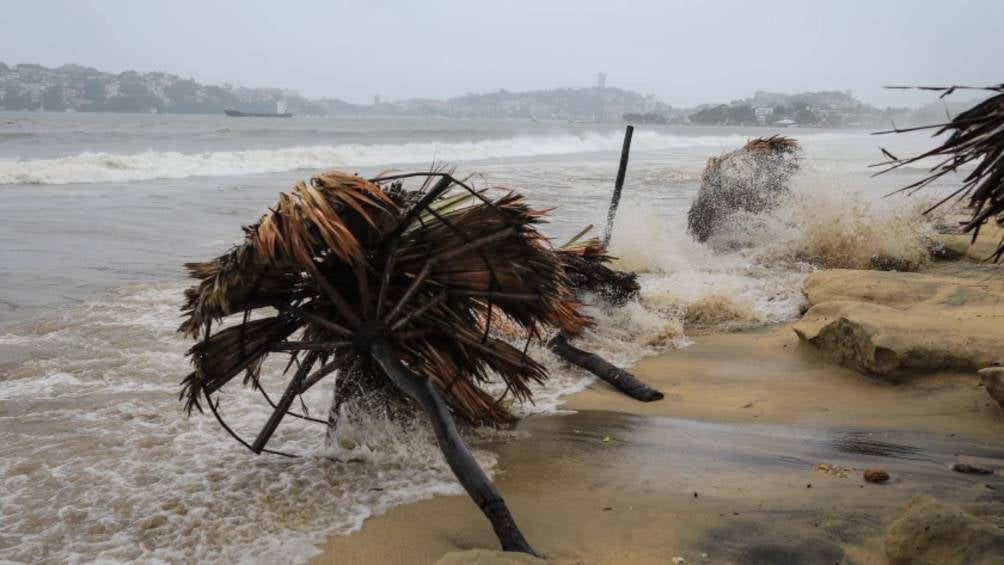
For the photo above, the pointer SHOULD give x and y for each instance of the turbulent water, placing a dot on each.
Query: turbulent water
(100, 211)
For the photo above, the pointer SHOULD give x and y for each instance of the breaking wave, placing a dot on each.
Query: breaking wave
(149, 165)
(828, 223)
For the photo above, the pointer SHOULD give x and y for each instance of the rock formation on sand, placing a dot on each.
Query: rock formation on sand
(934, 533)
(750, 179)
(993, 379)
(891, 323)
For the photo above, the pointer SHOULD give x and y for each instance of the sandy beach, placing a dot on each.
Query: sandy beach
(755, 455)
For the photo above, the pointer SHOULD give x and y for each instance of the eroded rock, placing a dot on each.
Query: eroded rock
(993, 380)
(970, 469)
(935, 533)
(889, 323)
(876, 475)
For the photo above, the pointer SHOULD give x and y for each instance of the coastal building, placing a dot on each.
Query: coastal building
(650, 104)
(762, 113)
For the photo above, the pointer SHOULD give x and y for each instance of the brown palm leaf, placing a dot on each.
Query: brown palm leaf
(586, 264)
(975, 136)
(341, 261)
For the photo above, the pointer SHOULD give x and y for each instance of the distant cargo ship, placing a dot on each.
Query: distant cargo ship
(280, 112)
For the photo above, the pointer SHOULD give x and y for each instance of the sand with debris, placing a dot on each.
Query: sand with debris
(757, 452)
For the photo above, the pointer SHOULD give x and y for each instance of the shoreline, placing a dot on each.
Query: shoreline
(725, 466)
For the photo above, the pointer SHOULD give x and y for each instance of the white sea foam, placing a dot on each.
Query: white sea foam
(95, 425)
(105, 167)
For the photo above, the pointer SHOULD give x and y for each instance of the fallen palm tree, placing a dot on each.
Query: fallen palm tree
(750, 179)
(392, 289)
(975, 137)
(586, 264)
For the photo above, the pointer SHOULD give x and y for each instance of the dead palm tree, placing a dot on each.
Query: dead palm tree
(391, 288)
(586, 263)
(976, 136)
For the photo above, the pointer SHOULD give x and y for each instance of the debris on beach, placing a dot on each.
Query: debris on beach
(969, 469)
(834, 470)
(394, 290)
(750, 179)
(586, 264)
(876, 475)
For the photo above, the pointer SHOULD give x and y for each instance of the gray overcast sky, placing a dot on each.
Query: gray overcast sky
(684, 52)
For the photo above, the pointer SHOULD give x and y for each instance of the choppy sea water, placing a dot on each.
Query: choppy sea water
(100, 211)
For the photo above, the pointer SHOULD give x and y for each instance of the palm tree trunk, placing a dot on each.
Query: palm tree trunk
(463, 464)
(615, 376)
(337, 400)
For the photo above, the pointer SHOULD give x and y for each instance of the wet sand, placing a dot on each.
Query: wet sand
(726, 466)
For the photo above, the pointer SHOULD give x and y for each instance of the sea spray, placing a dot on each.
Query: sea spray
(752, 273)
(831, 224)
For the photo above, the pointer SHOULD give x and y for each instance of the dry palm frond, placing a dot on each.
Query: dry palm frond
(346, 260)
(771, 145)
(751, 179)
(976, 136)
(585, 263)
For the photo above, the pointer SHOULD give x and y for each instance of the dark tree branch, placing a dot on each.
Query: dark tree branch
(460, 460)
(614, 376)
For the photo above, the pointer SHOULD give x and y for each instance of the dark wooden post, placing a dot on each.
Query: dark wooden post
(618, 185)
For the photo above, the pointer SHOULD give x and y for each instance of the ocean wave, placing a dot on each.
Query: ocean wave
(150, 165)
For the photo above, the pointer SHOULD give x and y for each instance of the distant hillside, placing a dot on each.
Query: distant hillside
(75, 87)
(85, 89)
(833, 108)
(591, 104)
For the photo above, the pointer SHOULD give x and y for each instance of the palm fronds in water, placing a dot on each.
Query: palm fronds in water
(345, 260)
(749, 179)
(395, 287)
(586, 265)
(975, 136)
